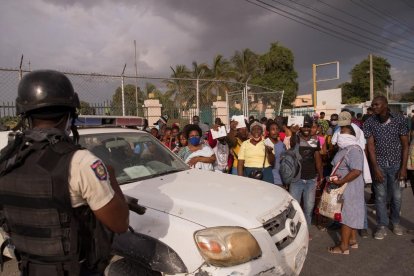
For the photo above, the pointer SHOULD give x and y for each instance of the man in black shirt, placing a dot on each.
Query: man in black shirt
(311, 167)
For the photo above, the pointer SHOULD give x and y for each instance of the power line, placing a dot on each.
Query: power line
(359, 27)
(381, 14)
(323, 29)
(298, 21)
(362, 20)
(407, 3)
(344, 28)
(387, 14)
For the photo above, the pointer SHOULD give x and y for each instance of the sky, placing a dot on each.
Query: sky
(97, 35)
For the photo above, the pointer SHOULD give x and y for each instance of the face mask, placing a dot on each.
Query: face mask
(334, 123)
(195, 141)
(345, 140)
(257, 139)
(305, 133)
(68, 131)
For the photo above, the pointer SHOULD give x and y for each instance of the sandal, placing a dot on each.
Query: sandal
(338, 250)
(353, 244)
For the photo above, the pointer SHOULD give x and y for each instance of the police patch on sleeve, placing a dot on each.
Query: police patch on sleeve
(100, 170)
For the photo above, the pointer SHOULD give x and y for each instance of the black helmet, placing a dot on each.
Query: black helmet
(45, 88)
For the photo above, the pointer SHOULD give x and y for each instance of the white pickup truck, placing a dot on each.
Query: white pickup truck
(198, 222)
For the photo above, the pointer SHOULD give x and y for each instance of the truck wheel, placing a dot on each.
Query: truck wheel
(125, 267)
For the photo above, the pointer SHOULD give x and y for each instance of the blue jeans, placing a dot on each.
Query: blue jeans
(234, 171)
(388, 190)
(308, 189)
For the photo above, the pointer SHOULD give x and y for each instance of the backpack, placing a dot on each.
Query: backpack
(290, 165)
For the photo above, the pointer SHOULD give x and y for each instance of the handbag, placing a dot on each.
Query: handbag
(258, 173)
(331, 201)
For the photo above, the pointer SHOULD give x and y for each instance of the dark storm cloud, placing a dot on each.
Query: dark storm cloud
(97, 35)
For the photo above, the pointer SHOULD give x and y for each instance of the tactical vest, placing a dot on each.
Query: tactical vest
(50, 237)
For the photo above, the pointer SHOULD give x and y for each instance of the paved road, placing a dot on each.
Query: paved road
(392, 256)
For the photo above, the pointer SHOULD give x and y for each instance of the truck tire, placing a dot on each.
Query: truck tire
(127, 267)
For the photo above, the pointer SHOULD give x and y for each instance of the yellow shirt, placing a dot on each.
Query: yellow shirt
(253, 155)
(235, 152)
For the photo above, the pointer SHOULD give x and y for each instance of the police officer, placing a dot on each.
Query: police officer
(58, 202)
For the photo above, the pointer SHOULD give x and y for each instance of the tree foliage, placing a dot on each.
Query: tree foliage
(279, 72)
(86, 109)
(130, 100)
(358, 88)
(273, 69)
(408, 97)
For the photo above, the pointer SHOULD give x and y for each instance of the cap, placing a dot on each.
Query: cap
(307, 121)
(344, 118)
(162, 119)
(255, 123)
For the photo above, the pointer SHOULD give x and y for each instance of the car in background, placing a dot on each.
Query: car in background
(197, 222)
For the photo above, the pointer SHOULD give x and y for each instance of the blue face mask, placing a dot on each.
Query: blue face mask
(195, 141)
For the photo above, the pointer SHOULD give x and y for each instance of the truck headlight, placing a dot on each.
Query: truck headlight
(226, 245)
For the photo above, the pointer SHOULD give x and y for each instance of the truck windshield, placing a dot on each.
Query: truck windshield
(133, 155)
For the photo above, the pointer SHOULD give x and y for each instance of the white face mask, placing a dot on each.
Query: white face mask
(334, 123)
(345, 140)
(68, 131)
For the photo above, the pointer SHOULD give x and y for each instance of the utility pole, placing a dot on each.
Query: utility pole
(197, 97)
(314, 85)
(371, 79)
(20, 68)
(123, 91)
(393, 86)
(136, 78)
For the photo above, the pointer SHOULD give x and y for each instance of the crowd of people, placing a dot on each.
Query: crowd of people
(359, 150)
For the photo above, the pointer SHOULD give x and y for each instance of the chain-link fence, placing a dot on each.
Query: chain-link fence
(150, 97)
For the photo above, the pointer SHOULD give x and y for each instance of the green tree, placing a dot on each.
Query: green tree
(219, 70)
(8, 122)
(129, 99)
(245, 65)
(408, 97)
(177, 89)
(359, 86)
(199, 71)
(278, 73)
(86, 109)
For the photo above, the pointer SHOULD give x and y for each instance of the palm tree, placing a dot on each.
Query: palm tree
(178, 90)
(150, 88)
(245, 65)
(200, 71)
(220, 70)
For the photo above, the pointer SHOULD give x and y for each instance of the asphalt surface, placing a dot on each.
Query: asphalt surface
(393, 255)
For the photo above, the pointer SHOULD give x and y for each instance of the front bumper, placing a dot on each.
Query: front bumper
(283, 253)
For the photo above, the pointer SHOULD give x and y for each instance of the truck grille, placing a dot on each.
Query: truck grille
(274, 225)
(277, 224)
(287, 240)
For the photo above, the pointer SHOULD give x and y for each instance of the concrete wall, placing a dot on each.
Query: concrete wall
(331, 97)
(152, 109)
(221, 111)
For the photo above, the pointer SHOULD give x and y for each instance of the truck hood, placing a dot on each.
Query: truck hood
(211, 198)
